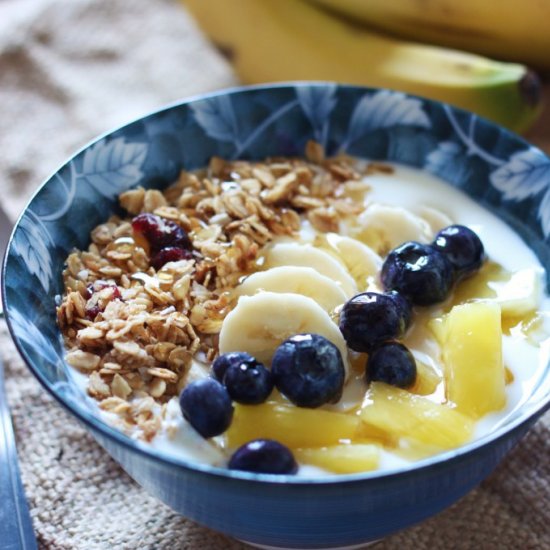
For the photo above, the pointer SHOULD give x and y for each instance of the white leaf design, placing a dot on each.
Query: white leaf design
(449, 162)
(31, 335)
(544, 214)
(31, 246)
(317, 104)
(525, 174)
(384, 109)
(217, 118)
(112, 167)
(439, 159)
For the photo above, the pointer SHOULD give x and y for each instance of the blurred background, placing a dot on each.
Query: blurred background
(72, 69)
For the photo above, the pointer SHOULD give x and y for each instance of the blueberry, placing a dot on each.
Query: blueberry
(308, 369)
(419, 272)
(263, 456)
(206, 405)
(370, 318)
(248, 381)
(222, 362)
(392, 363)
(462, 247)
(403, 306)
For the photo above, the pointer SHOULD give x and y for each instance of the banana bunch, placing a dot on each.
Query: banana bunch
(281, 40)
(507, 29)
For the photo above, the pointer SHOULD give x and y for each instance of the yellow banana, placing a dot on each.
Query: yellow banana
(514, 30)
(278, 40)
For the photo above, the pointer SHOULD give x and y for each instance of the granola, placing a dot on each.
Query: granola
(141, 333)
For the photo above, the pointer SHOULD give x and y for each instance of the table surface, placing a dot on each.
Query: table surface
(68, 73)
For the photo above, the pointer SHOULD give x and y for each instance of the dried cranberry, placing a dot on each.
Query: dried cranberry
(116, 293)
(169, 254)
(100, 285)
(160, 233)
(92, 312)
(94, 305)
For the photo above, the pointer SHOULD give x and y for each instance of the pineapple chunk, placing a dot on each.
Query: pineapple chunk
(529, 327)
(427, 379)
(290, 425)
(437, 326)
(342, 459)
(472, 357)
(402, 414)
(521, 294)
(410, 449)
(481, 284)
(518, 294)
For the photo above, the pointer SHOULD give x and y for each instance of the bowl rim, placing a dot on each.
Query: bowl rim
(97, 424)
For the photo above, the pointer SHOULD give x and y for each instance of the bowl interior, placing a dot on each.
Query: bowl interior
(495, 167)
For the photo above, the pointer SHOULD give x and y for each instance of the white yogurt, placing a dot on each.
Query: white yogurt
(413, 190)
(417, 192)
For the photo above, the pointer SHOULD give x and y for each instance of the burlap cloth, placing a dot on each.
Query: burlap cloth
(70, 69)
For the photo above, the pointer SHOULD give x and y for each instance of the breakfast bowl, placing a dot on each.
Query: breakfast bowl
(500, 173)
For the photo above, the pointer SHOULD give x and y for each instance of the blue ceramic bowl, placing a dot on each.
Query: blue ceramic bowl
(498, 169)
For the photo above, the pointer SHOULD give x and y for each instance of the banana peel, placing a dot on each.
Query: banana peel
(512, 30)
(282, 40)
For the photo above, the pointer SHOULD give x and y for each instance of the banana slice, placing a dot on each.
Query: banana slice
(259, 324)
(384, 227)
(308, 256)
(436, 219)
(297, 280)
(362, 262)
